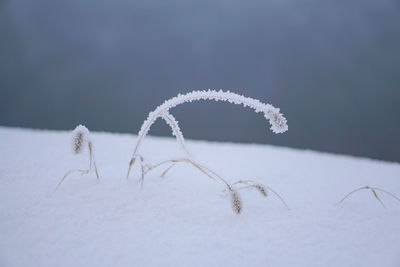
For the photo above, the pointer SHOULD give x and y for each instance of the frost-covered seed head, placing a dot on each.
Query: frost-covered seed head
(277, 121)
(80, 137)
(236, 202)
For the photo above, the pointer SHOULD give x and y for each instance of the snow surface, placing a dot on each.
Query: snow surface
(184, 219)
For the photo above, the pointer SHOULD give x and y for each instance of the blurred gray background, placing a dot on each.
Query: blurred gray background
(333, 67)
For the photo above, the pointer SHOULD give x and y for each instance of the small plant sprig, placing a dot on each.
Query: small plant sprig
(235, 197)
(277, 120)
(81, 139)
(373, 190)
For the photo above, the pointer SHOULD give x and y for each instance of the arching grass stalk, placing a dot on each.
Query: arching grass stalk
(373, 190)
(277, 120)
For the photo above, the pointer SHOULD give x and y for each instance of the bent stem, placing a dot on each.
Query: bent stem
(252, 184)
(386, 192)
(352, 192)
(373, 190)
(167, 170)
(211, 174)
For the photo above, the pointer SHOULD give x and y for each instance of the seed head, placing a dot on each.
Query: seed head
(236, 202)
(261, 189)
(80, 136)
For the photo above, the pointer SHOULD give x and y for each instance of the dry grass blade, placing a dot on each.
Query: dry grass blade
(352, 192)
(206, 171)
(281, 198)
(130, 167)
(68, 173)
(167, 170)
(387, 192)
(373, 190)
(92, 161)
(95, 170)
(376, 196)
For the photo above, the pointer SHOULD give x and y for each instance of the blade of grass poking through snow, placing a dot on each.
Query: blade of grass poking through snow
(277, 121)
(373, 190)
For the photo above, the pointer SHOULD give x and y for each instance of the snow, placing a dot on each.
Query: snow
(185, 219)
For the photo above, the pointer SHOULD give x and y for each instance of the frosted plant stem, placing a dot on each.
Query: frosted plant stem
(386, 192)
(173, 123)
(277, 120)
(68, 173)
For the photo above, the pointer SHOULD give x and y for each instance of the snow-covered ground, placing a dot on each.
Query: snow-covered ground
(185, 219)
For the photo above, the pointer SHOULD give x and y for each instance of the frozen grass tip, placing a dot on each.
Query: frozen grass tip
(81, 140)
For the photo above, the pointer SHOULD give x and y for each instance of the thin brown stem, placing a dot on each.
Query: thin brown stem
(273, 191)
(390, 194)
(376, 196)
(167, 170)
(355, 190)
(90, 155)
(130, 166)
(201, 168)
(95, 170)
(92, 162)
(150, 168)
(68, 173)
